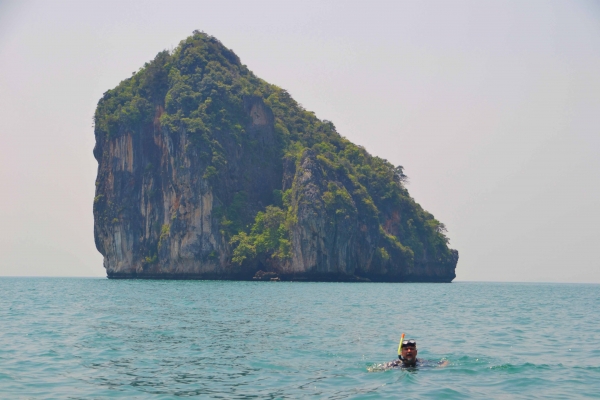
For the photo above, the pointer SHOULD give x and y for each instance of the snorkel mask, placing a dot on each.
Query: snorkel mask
(405, 343)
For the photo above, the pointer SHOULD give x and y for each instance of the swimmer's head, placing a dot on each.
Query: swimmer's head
(409, 352)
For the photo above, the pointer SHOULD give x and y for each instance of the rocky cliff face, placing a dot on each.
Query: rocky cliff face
(207, 172)
(155, 209)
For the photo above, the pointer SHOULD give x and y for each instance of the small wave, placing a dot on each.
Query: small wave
(511, 368)
(377, 368)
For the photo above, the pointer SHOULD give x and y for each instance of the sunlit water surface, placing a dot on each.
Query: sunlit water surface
(99, 338)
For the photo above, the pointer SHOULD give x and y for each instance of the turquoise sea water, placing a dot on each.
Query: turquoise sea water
(99, 338)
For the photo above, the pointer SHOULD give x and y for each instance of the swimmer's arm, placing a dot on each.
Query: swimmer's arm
(443, 363)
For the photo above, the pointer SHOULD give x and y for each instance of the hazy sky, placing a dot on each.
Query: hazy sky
(493, 108)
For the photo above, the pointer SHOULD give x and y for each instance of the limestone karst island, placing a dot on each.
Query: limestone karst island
(208, 172)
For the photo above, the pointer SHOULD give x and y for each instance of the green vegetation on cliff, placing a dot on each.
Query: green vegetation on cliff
(200, 90)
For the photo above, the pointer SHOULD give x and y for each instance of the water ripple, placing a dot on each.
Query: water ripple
(95, 338)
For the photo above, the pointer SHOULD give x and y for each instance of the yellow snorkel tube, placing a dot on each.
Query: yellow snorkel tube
(400, 347)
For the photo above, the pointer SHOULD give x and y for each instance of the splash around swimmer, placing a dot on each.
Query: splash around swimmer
(407, 358)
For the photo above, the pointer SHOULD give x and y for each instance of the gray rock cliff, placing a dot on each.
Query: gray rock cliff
(207, 172)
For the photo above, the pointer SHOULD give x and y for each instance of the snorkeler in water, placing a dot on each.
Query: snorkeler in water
(407, 357)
